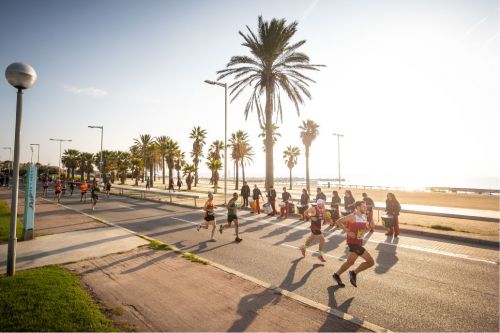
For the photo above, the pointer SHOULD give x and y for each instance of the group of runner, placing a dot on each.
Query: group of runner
(60, 188)
(357, 220)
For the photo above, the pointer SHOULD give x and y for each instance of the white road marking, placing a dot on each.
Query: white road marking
(311, 251)
(126, 207)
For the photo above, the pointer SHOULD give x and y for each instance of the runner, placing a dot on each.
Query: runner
(93, 194)
(71, 187)
(369, 209)
(355, 225)
(256, 195)
(63, 188)
(83, 189)
(108, 188)
(316, 216)
(57, 191)
(209, 216)
(45, 186)
(232, 215)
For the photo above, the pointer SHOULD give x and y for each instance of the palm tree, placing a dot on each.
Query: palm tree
(85, 164)
(198, 135)
(172, 152)
(189, 169)
(275, 66)
(109, 159)
(162, 142)
(143, 147)
(137, 165)
(179, 162)
(123, 163)
(290, 155)
(241, 152)
(215, 165)
(70, 160)
(309, 133)
(214, 153)
(275, 136)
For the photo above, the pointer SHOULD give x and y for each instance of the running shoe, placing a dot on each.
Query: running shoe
(212, 240)
(237, 239)
(352, 278)
(321, 259)
(198, 227)
(336, 277)
(303, 251)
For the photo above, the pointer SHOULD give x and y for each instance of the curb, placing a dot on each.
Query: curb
(342, 315)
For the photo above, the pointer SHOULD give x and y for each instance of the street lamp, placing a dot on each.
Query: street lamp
(38, 152)
(225, 134)
(338, 150)
(31, 148)
(101, 164)
(21, 76)
(60, 147)
(10, 158)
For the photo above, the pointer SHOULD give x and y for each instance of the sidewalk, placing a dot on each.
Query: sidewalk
(159, 290)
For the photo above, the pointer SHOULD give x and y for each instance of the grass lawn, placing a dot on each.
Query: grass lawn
(48, 299)
(5, 223)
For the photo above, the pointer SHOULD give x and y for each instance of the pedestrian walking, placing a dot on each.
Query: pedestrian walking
(71, 187)
(209, 216)
(271, 197)
(93, 194)
(392, 207)
(108, 188)
(245, 193)
(171, 185)
(232, 216)
(355, 226)
(45, 186)
(314, 213)
(256, 195)
(148, 185)
(179, 184)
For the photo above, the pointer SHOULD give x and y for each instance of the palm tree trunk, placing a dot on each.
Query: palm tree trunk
(307, 170)
(269, 138)
(163, 165)
(151, 173)
(237, 184)
(243, 170)
(170, 176)
(290, 178)
(73, 173)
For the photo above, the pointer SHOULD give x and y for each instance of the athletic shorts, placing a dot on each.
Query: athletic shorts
(84, 192)
(316, 232)
(209, 218)
(231, 218)
(95, 197)
(57, 192)
(356, 248)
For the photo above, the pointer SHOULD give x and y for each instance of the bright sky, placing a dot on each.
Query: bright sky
(413, 85)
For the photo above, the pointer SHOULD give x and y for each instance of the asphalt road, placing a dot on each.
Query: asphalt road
(417, 284)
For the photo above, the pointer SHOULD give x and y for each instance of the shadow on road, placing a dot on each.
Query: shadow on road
(386, 257)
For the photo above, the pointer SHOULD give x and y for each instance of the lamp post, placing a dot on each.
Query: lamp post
(338, 150)
(31, 160)
(21, 76)
(10, 158)
(224, 85)
(60, 149)
(101, 164)
(38, 152)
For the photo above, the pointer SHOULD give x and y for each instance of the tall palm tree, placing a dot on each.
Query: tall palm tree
(290, 155)
(109, 159)
(123, 163)
(179, 162)
(308, 135)
(198, 135)
(70, 160)
(276, 135)
(241, 152)
(172, 152)
(162, 142)
(274, 67)
(85, 164)
(143, 147)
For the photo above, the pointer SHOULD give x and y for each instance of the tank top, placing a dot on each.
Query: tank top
(358, 227)
(316, 220)
(209, 209)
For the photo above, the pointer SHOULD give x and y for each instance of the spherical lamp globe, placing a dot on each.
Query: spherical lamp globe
(20, 75)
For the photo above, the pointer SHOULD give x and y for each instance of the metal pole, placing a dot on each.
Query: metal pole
(60, 147)
(11, 252)
(225, 143)
(338, 150)
(101, 166)
(38, 157)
